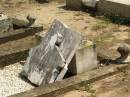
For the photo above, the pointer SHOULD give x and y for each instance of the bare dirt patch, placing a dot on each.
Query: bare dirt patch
(114, 86)
(121, 35)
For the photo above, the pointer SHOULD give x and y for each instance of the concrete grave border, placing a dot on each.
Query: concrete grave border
(61, 87)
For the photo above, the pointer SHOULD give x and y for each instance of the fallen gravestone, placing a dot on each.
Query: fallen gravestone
(85, 57)
(48, 61)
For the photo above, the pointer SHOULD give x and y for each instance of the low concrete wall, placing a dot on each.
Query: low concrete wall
(15, 3)
(80, 4)
(61, 87)
(74, 4)
(110, 7)
(85, 59)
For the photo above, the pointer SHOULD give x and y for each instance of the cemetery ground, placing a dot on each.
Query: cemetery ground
(101, 30)
(96, 28)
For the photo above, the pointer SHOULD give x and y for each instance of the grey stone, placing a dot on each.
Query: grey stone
(124, 50)
(21, 23)
(62, 73)
(85, 58)
(5, 24)
(47, 60)
(31, 18)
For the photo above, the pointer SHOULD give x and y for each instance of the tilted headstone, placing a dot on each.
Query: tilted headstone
(47, 62)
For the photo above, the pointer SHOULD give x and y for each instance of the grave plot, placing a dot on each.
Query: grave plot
(13, 28)
(49, 61)
(47, 88)
(83, 65)
(14, 46)
(63, 46)
(22, 37)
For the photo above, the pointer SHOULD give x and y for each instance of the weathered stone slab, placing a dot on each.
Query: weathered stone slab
(21, 23)
(85, 58)
(51, 60)
(115, 7)
(19, 33)
(14, 51)
(54, 53)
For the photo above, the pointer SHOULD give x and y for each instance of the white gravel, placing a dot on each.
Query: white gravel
(10, 83)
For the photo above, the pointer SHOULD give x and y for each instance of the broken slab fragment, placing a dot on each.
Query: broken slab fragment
(20, 23)
(43, 73)
(5, 24)
(85, 58)
(47, 60)
(124, 50)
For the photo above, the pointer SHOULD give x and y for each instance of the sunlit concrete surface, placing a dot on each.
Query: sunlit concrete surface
(115, 7)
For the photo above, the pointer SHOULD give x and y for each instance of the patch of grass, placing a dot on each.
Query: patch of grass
(104, 38)
(115, 19)
(88, 88)
(100, 25)
(128, 40)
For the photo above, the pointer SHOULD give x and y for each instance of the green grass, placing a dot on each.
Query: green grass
(100, 25)
(115, 19)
